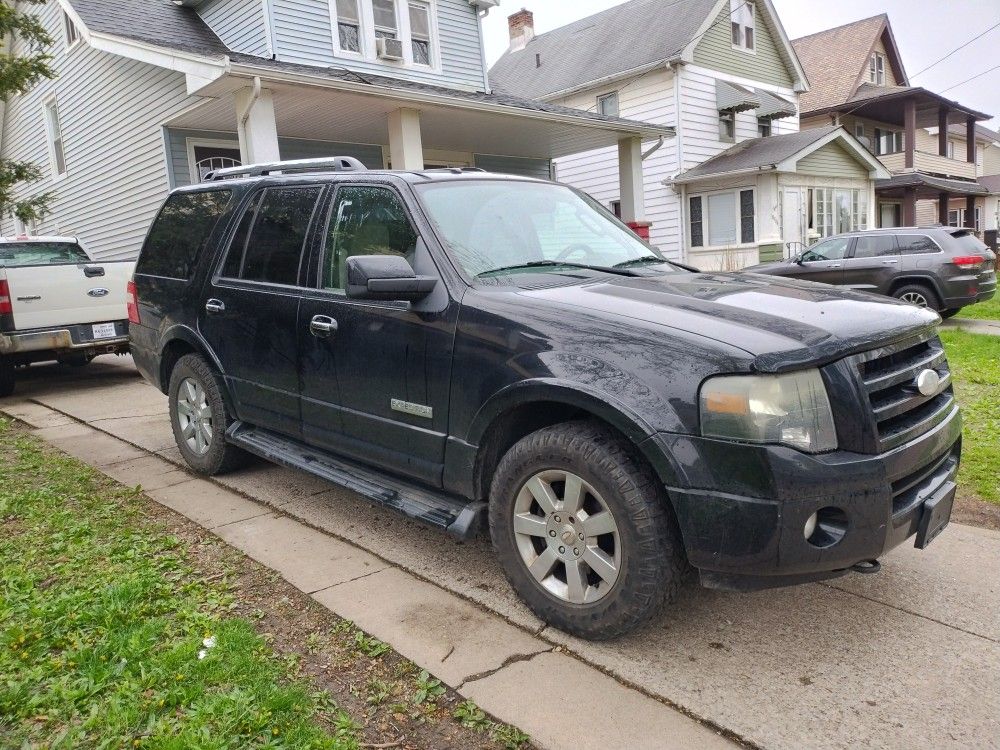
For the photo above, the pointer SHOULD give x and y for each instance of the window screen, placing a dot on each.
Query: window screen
(385, 18)
(181, 232)
(349, 25)
(420, 33)
(875, 246)
(275, 242)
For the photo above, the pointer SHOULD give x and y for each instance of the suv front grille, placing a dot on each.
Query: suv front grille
(889, 377)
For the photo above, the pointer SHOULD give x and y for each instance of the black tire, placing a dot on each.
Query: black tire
(652, 565)
(911, 292)
(219, 456)
(6, 377)
(949, 313)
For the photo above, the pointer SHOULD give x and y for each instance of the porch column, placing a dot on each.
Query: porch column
(970, 140)
(256, 126)
(909, 207)
(970, 211)
(630, 180)
(943, 209)
(943, 131)
(406, 149)
(910, 121)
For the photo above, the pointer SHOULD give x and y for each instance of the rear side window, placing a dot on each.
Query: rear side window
(271, 235)
(966, 241)
(874, 246)
(181, 232)
(914, 244)
(14, 254)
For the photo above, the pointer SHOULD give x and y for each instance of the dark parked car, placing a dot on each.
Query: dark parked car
(942, 268)
(474, 349)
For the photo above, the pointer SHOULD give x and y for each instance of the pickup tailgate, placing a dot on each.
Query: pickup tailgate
(46, 296)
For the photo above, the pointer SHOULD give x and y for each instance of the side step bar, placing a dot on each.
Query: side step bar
(460, 517)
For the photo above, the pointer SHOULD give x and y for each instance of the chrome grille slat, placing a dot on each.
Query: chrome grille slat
(904, 372)
(909, 402)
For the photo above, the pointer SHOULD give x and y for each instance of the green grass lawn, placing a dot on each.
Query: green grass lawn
(989, 310)
(975, 364)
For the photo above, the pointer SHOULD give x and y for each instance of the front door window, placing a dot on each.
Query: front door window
(834, 249)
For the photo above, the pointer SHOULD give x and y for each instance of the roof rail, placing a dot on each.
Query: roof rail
(333, 164)
(454, 170)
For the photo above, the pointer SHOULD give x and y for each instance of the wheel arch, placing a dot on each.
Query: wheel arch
(920, 279)
(180, 341)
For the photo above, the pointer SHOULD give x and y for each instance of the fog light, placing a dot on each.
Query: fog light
(811, 525)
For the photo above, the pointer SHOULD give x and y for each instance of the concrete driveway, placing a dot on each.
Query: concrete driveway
(908, 657)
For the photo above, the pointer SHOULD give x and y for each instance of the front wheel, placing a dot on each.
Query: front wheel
(584, 532)
(6, 377)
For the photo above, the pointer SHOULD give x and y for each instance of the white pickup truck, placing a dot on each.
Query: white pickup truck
(58, 304)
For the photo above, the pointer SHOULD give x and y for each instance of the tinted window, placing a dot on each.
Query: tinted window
(234, 259)
(365, 221)
(969, 243)
(834, 249)
(876, 246)
(13, 254)
(181, 232)
(911, 244)
(273, 249)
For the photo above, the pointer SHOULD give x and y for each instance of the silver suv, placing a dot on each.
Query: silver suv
(942, 268)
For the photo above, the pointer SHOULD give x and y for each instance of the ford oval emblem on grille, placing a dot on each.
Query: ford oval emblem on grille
(928, 382)
(98, 292)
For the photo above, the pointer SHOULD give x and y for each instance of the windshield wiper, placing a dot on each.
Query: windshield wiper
(641, 261)
(558, 264)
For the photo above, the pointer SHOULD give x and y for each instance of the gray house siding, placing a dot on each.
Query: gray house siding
(241, 24)
(303, 33)
(540, 168)
(112, 138)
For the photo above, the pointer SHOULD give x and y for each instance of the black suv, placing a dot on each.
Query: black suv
(942, 268)
(469, 348)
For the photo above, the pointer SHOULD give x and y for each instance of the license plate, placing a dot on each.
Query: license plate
(936, 515)
(104, 331)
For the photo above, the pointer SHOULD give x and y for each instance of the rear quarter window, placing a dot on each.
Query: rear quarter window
(180, 233)
(917, 244)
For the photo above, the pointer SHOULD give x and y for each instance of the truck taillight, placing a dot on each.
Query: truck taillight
(132, 303)
(968, 261)
(5, 306)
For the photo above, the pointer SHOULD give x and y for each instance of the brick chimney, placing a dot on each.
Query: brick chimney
(522, 29)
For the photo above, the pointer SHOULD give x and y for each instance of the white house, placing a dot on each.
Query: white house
(151, 94)
(725, 74)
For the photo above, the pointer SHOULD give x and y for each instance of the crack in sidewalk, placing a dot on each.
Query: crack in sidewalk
(349, 580)
(512, 659)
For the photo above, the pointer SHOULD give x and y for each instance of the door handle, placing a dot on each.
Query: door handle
(93, 271)
(836, 265)
(215, 306)
(890, 262)
(322, 326)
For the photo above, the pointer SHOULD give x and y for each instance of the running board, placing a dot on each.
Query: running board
(460, 517)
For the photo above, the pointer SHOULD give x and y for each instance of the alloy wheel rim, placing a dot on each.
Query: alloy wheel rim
(194, 416)
(915, 298)
(567, 537)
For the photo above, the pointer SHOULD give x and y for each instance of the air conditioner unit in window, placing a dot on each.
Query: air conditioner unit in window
(389, 49)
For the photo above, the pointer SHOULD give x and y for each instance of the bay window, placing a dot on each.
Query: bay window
(835, 211)
(722, 219)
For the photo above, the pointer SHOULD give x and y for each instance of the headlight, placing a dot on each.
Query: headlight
(790, 409)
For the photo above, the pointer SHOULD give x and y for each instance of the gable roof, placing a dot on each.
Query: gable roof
(836, 60)
(776, 152)
(591, 50)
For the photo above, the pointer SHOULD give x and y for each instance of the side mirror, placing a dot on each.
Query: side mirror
(385, 277)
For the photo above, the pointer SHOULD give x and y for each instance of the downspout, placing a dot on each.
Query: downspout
(656, 147)
(679, 137)
(245, 117)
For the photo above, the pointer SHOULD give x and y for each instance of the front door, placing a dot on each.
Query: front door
(873, 264)
(375, 375)
(824, 261)
(249, 314)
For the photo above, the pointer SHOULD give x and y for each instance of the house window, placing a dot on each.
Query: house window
(385, 19)
(979, 156)
(348, 26)
(70, 30)
(763, 127)
(741, 13)
(420, 33)
(727, 126)
(835, 211)
(57, 156)
(956, 218)
(722, 219)
(607, 104)
(876, 69)
(951, 149)
(859, 130)
(616, 208)
(888, 141)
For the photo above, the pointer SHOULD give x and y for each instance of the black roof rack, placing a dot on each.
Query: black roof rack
(333, 164)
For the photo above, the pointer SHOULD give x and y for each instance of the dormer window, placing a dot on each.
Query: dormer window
(349, 26)
(741, 13)
(876, 69)
(71, 32)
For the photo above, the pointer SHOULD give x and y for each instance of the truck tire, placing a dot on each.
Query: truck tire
(6, 377)
(199, 418)
(584, 531)
(919, 295)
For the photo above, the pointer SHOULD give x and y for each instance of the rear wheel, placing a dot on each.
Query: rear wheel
(918, 295)
(949, 313)
(6, 377)
(584, 532)
(200, 419)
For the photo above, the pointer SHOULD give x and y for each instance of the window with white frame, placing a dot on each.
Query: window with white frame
(722, 219)
(956, 218)
(348, 26)
(835, 211)
(420, 33)
(57, 155)
(859, 130)
(763, 127)
(888, 141)
(386, 23)
(951, 149)
(741, 13)
(876, 69)
(607, 104)
(70, 30)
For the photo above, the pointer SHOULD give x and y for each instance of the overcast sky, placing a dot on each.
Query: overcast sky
(925, 30)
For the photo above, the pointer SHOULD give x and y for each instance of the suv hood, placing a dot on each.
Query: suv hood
(784, 323)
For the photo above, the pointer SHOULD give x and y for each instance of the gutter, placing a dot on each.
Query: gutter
(641, 70)
(716, 175)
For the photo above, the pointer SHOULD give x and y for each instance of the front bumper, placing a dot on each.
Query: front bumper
(75, 338)
(743, 525)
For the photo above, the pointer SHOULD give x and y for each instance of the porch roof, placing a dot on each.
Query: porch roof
(927, 186)
(885, 104)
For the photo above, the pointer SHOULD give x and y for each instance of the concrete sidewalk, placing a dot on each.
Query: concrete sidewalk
(970, 325)
(910, 657)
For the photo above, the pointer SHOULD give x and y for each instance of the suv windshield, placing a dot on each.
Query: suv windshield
(495, 227)
(13, 254)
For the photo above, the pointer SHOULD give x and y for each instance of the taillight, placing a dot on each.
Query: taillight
(968, 261)
(5, 306)
(132, 303)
